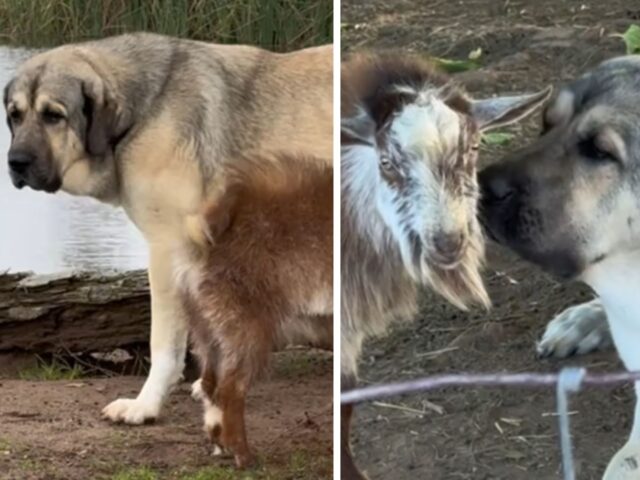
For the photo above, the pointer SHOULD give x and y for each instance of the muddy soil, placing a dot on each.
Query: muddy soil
(490, 433)
(51, 430)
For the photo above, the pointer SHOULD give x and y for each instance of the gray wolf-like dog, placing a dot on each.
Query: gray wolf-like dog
(570, 203)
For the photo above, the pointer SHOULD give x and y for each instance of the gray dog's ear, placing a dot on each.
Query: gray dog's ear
(7, 89)
(106, 122)
(500, 111)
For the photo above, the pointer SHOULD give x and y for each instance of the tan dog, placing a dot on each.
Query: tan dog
(144, 121)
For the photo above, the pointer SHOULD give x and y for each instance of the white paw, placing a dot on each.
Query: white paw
(577, 330)
(625, 464)
(196, 390)
(131, 411)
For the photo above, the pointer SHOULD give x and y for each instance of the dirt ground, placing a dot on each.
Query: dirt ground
(490, 433)
(51, 430)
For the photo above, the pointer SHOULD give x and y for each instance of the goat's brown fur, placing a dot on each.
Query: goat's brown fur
(376, 288)
(368, 80)
(258, 276)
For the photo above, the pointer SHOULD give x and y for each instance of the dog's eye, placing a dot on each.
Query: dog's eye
(15, 116)
(589, 148)
(52, 117)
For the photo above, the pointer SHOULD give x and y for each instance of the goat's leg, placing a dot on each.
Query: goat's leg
(206, 391)
(230, 396)
(348, 470)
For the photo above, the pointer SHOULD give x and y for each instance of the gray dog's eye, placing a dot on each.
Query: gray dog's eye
(15, 116)
(590, 149)
(52, 117)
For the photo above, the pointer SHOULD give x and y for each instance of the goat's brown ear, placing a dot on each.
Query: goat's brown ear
(500, 111)
(105, 120)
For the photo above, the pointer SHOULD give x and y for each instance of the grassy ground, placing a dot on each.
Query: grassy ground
(50, 426)
(274, 24)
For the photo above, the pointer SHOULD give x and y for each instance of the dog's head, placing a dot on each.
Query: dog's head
(65, 119)
(572, 198)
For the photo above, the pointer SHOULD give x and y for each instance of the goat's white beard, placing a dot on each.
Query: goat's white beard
(462, 285)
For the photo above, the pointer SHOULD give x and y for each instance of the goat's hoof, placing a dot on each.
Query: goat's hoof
(196, 390)
(349, 470)
(245, 460)
(625, 464)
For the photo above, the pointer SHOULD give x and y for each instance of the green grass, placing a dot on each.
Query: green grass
(143, 473)
(301, 466)
(51, 370)
(5, 445)
(274, 24)
(220, 473)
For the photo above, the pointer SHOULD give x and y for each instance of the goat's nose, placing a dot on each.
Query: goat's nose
(448, 245)
(19, 162)
(495, 185)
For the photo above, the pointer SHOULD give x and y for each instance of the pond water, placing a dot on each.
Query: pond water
(47, 233)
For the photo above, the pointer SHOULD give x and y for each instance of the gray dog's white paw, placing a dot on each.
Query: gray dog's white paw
(625, 464)
(577, 330)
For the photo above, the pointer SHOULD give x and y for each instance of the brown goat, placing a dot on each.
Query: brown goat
(257, 275)
(409, 198)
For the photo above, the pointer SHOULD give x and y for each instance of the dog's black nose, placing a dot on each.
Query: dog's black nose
(496, 185)
(448, 246)
(19, 162)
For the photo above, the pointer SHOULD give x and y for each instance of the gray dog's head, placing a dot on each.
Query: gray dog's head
(572, 198)
(64, 118)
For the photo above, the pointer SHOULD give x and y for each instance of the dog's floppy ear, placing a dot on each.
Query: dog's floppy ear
(500, 111)
(106, 121)
(7, 89)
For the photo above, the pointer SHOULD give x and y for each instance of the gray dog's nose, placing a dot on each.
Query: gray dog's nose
(495, 185)
(19, 162)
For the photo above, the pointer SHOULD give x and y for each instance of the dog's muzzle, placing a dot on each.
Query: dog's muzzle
(24, 171)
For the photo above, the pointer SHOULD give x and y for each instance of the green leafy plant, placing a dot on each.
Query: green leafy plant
(632, 39)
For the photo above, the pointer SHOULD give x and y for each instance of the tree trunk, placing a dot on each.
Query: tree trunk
(83, 312)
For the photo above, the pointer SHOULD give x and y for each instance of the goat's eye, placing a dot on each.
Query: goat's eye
(52, 117)
(589, 148)
(385, 163)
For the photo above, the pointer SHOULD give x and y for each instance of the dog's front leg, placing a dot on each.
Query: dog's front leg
(577, 330)
(625, 465)
(168, 346)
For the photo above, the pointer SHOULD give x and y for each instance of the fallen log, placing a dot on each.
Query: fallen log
(78, 312)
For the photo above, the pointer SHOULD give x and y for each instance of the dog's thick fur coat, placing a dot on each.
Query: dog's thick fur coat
(145, 121)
